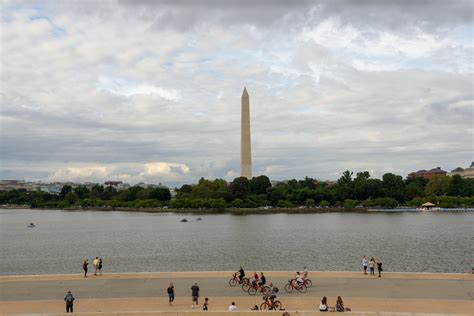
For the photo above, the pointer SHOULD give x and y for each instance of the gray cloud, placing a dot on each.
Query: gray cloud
(122, 92)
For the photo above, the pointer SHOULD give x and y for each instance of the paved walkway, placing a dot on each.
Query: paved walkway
(394, 292)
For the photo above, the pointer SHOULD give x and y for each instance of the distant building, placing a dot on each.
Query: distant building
(51, 188)
(9, 185)
(465, 173)
(427, 174)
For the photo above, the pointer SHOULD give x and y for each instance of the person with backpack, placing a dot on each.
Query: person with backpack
(69, 299)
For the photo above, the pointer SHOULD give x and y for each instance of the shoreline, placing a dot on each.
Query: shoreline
(225, 274)
(239, 211)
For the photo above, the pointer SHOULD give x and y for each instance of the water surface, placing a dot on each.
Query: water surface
(138, 242)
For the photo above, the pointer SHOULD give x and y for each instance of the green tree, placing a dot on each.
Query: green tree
(240, 187)
(456, 186)
(161, 194)
(260, 184)
(324, 203)
(65, 190)
(393, 186)
(81, 191)
(438, 186)
(71, 198)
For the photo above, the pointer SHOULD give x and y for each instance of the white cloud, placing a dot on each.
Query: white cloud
(131, 172)
(108, 86)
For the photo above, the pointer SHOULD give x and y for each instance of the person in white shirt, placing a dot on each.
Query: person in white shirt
(364, 264)
(232, 307)
(305, 273)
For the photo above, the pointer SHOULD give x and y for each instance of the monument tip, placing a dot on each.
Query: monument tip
(245, 93)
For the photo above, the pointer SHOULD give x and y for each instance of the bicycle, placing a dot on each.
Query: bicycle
(271, 305)
(308, 283)
(252, 289)
(290, 286)
(235, 280)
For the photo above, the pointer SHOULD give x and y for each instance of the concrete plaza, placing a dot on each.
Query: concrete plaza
(146, 292)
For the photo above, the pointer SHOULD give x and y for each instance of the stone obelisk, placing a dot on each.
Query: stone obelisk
(245, 146)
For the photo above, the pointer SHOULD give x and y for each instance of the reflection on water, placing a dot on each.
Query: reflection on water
(132, 242)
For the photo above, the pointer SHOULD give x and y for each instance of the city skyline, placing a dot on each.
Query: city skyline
(149, 91)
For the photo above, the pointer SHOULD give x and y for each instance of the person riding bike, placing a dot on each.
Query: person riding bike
(241, 273)
(254, 280)
(262, 281)
(305, 273)
(298, 280)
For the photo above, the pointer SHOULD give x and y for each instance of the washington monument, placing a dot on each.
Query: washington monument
(245, 146)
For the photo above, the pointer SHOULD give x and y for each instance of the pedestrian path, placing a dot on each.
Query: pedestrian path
(421, 293)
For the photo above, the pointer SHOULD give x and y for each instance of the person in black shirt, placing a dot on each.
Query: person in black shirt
(195, 294)
(379, 268)
(84, 267)
(241, 274)
(170, 291)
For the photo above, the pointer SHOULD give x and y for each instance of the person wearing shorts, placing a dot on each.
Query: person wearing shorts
(364, 264)
(195, 294)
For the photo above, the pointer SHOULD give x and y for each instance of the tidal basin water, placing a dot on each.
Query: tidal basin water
(139, 242)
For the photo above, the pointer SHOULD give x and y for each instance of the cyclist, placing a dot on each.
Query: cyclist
(262, 281)
(305, 273)
(273, 295)
(241, 273)
(299, 280)
(254, 280)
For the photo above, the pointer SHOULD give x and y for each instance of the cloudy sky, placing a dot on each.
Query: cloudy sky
(150, 90)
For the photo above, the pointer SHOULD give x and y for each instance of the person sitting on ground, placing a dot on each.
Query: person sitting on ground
(254, 308)
(339, 304)
(232, 307)
(323, 306)
(241, 273)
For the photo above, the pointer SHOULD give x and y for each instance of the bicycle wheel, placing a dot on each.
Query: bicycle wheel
(277, 305)
(245, 281)
(245, 287)
(266, 290)
(288, 288)
(252, 291)
(308, 283)
(302, 288)
(233, 282)
(263, 306)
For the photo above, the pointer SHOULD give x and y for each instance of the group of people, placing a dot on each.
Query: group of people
(96, 264)
(371, 265)
(323, 305)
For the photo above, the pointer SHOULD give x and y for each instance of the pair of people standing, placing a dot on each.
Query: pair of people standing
(371, 264)
(96, 264)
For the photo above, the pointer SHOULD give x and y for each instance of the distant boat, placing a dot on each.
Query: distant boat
(32, 225)
(199, 219)
(184, 220)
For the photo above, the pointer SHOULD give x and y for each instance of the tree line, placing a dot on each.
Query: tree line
(350, 191)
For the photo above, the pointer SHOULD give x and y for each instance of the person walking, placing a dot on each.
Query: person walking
(95, 265)
(195, 294)
(364, 264)
(100, 266)
(372, 266)
(205, 306)
(69, 299)
(170, 291)
(379, 268)
(84, 267)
